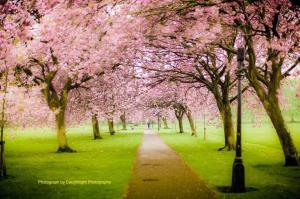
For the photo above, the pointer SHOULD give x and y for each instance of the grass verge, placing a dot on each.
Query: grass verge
(266, 177)
(31, 159)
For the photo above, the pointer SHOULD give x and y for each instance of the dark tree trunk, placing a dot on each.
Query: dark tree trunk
(180, 123)
(111, 129)
(226, 116)
(286, 141)
(165, 123)
(229, 134)
(96, 131)
(3, 172)
(123, 120)
(179, 115)
(191, 122)
(2, 162)
(268, 95)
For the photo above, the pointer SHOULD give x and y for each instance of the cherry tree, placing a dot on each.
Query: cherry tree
(172, 96)
(14, 18)
(178, 58)
(64, 54)
(270, 30)
(109, 96)
(271, 37)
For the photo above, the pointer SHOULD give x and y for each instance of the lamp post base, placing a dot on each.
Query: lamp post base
(238, 176)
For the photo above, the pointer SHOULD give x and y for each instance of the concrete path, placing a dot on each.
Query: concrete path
(160, 173)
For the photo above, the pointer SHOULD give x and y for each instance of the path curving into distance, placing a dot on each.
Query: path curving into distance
(161, 174)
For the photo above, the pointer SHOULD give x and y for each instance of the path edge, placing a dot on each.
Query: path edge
(214, 191)
(125, 191)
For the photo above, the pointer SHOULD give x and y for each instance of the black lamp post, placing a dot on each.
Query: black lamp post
(238, 170)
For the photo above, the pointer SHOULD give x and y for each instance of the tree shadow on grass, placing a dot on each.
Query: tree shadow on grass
(7, 177)
(268, 166)
(279, 170)
(279, 165)
(227, 189)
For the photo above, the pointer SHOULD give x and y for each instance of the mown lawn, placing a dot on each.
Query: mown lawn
(266, 177)
(30, 157)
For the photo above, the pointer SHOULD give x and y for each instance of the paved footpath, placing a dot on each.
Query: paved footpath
(161, 174)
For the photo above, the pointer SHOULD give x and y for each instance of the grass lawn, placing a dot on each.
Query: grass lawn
(30, 157)
(262, 155)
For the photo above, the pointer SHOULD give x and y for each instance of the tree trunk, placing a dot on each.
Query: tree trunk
(111, 126)
(158, 123)
(165, 123)
(191, 121)
(229, 134)
(180, 124)
(2, 161)
(224, 108)
(290, 152)
(268, 97)
(123, 120)
(96, 131)
(204, 128)
(3, 172)
(61, 132)
(57, 104)
(179, 115)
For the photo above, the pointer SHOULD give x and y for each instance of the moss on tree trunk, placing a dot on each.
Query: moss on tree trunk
(267, 91)
(229, 134)
(286, 141)
(61, 133)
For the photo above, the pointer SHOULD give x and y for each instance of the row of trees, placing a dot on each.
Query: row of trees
(128, 59)
(195, 42)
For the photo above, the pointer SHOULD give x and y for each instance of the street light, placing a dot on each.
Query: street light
(238, 170)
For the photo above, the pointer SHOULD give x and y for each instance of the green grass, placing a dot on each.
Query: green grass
(30, 156)
(262, 155)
